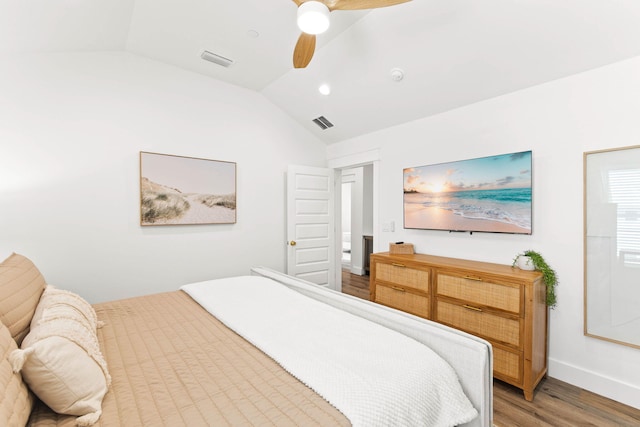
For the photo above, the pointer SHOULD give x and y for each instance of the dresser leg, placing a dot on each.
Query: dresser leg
(528, 395)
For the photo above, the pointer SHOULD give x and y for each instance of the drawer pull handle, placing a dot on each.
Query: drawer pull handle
(397, 264)
(477, 279)
(470, 307)
(398, 289)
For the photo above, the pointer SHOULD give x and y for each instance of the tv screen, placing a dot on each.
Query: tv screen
(487, 194)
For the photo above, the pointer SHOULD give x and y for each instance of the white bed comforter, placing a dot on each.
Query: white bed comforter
(373, 375)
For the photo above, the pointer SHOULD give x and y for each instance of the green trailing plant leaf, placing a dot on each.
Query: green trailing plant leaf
(549, 276)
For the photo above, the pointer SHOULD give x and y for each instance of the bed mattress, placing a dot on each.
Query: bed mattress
(174, 364)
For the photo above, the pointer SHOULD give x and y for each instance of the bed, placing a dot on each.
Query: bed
(171, 362)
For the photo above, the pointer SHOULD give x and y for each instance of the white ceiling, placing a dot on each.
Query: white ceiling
(453, 52)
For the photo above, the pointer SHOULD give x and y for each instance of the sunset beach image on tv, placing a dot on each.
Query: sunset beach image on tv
(488, 194)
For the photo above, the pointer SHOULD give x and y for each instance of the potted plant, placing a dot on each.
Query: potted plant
(532, 260)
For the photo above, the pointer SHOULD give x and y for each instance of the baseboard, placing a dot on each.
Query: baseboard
(620, 391)
(357, 270)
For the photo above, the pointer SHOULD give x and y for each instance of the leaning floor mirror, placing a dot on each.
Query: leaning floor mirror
(612, 245)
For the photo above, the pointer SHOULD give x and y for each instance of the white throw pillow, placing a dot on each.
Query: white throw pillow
(60, 358)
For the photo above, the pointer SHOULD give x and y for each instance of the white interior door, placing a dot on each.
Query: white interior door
(310, 224)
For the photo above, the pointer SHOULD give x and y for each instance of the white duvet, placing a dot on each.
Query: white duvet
(373, 375)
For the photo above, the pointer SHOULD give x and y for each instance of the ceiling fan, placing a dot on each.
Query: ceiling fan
(313, 18)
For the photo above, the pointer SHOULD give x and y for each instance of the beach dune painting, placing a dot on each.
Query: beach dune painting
(488, 194)
(177, 190)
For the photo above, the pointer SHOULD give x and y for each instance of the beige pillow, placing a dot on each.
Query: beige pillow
(60, 358)
(15, 399)
(21, 285)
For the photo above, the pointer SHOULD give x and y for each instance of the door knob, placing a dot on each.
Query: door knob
(292, 243)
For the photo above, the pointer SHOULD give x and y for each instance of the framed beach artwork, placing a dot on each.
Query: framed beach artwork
(487, 194)
(177, 190)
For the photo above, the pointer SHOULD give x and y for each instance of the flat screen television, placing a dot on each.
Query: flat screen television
(487, 194)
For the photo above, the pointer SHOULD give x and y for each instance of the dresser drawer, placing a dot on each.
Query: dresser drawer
(507, 365)
(401, 299)
(476, 291)
(407, 277)
(502, 329)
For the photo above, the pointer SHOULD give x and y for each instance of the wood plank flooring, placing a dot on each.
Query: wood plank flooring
(355, 285)
(555, 403)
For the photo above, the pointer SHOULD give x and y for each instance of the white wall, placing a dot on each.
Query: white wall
(558, 121)
(71, 128)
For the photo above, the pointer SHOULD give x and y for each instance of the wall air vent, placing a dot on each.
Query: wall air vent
(322, 122)
(216, 59)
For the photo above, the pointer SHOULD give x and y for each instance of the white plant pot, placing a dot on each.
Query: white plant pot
(525, 263)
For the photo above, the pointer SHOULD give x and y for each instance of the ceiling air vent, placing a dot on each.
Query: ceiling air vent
(216, 59)
(323, 122)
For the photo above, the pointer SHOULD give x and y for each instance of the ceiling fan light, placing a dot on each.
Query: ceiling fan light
(313, 17)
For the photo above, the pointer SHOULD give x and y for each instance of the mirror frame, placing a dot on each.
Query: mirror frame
(603, 161)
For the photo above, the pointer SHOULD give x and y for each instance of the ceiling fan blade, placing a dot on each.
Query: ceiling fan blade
(305, 47)
(360, 4)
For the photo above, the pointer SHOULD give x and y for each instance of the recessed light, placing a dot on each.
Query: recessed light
(253, 34)
(324, 89)
(397, 74)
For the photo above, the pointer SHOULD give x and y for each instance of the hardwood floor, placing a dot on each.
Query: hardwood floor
(355, 285)
(555, 402)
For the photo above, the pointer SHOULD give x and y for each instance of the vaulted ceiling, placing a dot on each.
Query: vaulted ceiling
(452, 52)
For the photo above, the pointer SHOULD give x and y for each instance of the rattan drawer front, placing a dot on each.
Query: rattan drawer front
(500, 296)
(403, 300)
(474, 321)
(404, 276)
(506, 365)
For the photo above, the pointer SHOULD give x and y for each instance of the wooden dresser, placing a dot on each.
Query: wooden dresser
(504, 305)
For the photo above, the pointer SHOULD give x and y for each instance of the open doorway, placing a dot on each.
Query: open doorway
(356, 219)
(369, 162)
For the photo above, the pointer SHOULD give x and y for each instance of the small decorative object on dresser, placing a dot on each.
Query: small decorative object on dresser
(524, 263)
(504, 305)
(532, 260)
(401, 248)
